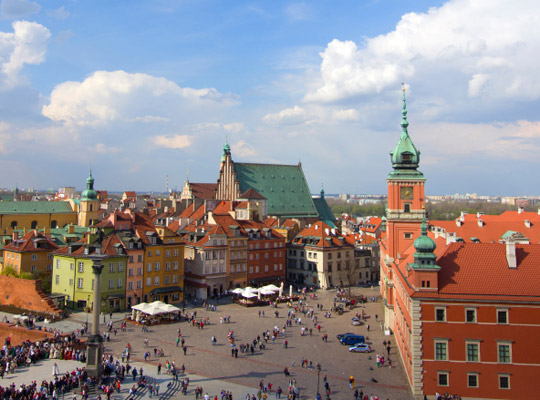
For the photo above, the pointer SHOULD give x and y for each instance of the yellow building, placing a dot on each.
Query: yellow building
(35, 214)
(33, 254)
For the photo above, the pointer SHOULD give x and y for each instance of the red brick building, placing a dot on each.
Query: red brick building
(465, 316)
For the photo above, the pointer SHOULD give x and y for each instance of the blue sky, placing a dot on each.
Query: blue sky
(141, 90)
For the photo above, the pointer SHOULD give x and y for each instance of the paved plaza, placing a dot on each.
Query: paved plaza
(214, 368)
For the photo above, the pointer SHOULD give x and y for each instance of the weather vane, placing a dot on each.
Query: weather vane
(403, 85)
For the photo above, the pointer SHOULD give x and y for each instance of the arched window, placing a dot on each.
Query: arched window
(407, 208)
(33, 225)
(13, 224)
(54, 224)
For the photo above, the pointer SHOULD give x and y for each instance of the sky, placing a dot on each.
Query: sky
(145, 91)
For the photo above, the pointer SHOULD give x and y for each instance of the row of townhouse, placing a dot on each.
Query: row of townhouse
(142, 263)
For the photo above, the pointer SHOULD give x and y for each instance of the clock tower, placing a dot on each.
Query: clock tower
(406, 199)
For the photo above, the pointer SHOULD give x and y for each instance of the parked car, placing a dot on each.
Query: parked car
(356, 321)
(346, 334)
(360, 348)
(352, 340)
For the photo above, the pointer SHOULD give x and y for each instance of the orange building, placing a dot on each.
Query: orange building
(464, 315)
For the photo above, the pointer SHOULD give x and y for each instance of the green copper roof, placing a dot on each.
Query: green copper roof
(405, 157)
(284, 186)
(89, 193)
(424, 246)
(35, 207)
(323, 209)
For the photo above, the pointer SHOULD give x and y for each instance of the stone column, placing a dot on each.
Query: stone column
(94, 346)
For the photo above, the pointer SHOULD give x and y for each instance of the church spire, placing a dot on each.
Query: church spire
(405, 157)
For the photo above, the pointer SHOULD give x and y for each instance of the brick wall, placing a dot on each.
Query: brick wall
(25, 294)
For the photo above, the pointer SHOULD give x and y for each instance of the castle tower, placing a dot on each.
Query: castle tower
(406, 199)
(89, 208)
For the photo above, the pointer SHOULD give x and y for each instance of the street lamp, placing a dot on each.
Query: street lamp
(87, 312)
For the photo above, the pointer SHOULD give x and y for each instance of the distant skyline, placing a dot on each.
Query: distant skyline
(142, 90)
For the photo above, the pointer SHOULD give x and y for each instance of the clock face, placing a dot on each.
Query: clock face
(406, 193)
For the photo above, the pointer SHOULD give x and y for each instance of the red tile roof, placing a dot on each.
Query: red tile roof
(493, 226)
(323, 233)
(27, 243)
(252, 194)
(480, 270)
(203, 190)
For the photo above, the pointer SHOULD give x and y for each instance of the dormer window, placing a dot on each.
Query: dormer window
(407, 156)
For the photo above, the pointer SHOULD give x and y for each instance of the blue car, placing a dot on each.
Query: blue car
(352, 340)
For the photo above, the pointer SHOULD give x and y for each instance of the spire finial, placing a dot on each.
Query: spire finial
(404, 123)
(187, 174)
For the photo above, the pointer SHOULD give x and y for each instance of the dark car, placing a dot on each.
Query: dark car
(352, 340)
(346, 334)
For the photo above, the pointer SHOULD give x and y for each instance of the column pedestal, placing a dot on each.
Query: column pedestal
(94, 354)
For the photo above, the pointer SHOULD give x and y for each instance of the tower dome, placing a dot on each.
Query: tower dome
(89, 193)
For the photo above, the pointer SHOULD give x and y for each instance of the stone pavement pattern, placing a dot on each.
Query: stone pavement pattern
(213, 368)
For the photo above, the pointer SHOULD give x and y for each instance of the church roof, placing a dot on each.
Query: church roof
(284, 186)
(35, 207)
(325, 213)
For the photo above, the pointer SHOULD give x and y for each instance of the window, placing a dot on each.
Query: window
(119, 283)
(58, 264)
(167, 266)
(470, 315)
(81, 266)
(175, 253)
(473, 351)
(70, 281)
(111, 267)
(505, 353)
(167, 279)
(80, 283)
(441, 352)
(111, 283)
(502, 316)
(175, 279)
(504, 381)
(131, 257)
(149, 267)
(149, 253)
(120, 267)
(250, 270)
(442, 378)
(34, 256)
(148, 281)
(472, 379)
(168, 253)
(33, 268)
(130, 285)
(407, 235)
(158, 252)
(156, 281)
(139, 258)
(130, 272)
(266, 268)
(157, 266)
(57, 279)
(407, 207)
(49, 267)
(175, 265)
(256, 269)
(139, 271)
(71, 266)
(440, 314)
(139, 284)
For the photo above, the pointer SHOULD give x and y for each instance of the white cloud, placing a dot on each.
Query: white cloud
(291, 115)
(18, 8)
(172, 142)
(345, 115)
(59, 13)
(101, 148)
(242, 149)
(234, 127)
(491, 45)
(26, 45)
(120, 96)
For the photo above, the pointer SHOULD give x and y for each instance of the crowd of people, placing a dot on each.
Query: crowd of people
(62, 347)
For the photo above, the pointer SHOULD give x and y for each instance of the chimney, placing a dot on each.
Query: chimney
(527, 223)
(458, 222)
(15, 235)
(520, 210)
(480, 223)
(71, 228)
(46, 230)
(511, 254)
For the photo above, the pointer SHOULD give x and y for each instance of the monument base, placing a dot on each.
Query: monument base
(94, 355)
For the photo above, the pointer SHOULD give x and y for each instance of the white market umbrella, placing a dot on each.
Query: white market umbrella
(271, 287)
(290, 290)
(238, 291)
(248, 295)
